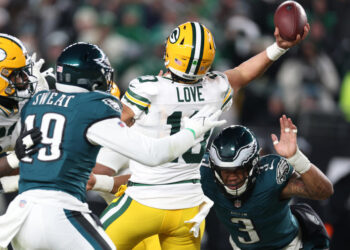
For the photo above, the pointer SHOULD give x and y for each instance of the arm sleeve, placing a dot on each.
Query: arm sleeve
(113, 160)
(139, 94)
(115, 135)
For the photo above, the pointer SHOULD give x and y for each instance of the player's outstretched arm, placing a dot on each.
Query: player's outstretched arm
(111, 133)
(308, 181)
(254, 67)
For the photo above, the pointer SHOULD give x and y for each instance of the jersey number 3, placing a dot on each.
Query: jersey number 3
(247, 227)
(52, 128)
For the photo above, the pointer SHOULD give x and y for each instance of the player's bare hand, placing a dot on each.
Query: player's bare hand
(288, 44)
(91, 182)
(286, 146)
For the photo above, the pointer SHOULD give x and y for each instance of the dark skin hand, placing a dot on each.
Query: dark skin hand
(312, 184)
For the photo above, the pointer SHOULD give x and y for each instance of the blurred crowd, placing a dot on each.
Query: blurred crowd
(312, 79)
(132, 32)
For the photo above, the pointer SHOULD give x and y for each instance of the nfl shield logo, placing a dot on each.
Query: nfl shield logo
(22, 203)
(59, 69)
(237, 203)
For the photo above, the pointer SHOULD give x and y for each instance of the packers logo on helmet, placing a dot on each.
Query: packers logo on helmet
(190, 51)
(16, 79)
(174, 35)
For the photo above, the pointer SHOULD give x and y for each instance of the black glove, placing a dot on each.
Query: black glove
(26, 142)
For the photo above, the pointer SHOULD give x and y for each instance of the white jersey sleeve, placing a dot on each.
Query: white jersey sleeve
(139, 94)
(227, 91)
(115, 135)
(109, 158)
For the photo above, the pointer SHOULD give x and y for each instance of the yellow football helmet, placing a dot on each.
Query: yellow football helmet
(190, 51)
(16, 78)
(115, 91)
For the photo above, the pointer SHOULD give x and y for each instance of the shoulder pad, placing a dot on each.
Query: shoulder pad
(275, 165)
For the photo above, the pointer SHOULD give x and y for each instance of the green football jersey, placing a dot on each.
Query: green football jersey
(66, 157)
(261, 220)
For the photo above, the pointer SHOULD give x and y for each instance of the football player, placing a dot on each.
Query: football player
(251, 194)
(50, 211)
(20, 78)
(168, 200)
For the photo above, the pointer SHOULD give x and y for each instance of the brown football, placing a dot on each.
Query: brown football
(290, 19)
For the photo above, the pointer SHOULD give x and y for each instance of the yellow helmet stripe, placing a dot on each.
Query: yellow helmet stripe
(201, 49)
(193, 48)
(197, 44)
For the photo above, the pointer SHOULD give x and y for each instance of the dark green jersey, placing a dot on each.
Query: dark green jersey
(261, 220)
(66, 158)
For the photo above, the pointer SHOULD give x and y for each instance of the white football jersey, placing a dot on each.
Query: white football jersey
(160, 106)
(8, 121)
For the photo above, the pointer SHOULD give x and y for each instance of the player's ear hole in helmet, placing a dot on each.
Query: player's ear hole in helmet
(16, 69)
(83, 66)
(235, 149)
(189, 52)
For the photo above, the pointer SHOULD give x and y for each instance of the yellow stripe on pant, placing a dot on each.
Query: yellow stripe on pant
(128, 222)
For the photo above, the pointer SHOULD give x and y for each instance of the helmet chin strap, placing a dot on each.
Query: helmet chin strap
(235, 192)
(239, 190)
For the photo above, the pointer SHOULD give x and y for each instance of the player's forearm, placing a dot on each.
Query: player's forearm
(5, 168)
(146, 150)
(248, 70)
(317, 184)
(118, 181)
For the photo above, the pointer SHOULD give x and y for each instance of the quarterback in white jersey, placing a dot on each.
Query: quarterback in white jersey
(167, 200)
(20, 78)
(159, 105)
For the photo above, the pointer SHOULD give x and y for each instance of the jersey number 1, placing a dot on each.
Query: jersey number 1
(174, 120)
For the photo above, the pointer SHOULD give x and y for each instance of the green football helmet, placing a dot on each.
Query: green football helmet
(83, 65)
(236, 147)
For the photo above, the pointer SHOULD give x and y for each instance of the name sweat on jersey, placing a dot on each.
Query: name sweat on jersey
(160, 105)
(261, 220)
(66, 157)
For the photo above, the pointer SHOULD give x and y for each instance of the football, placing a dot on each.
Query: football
(290, 19)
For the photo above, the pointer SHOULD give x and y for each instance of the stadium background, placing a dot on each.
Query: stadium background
(311, 83)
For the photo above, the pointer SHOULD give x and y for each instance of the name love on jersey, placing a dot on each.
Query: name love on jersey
(189, 94)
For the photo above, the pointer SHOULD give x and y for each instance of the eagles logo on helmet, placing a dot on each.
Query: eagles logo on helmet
(84, 66)
(190, 51)
(16, 69)
(235, 148)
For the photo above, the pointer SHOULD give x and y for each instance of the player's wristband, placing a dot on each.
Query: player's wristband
(9, 183)
(300, 162)
(104, 183)
(274, 52)
(12, 160)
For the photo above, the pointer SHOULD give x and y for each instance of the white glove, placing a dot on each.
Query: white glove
(41, 76)
(204, 120)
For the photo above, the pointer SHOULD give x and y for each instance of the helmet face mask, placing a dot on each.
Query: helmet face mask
(189, 51)
(235, 151)
(85, 66)
(16, 69)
